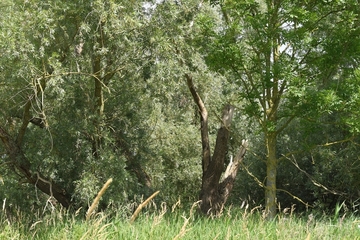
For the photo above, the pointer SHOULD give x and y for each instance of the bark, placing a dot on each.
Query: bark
(273, 97)
(210, 195)
(22, 165)
(206, 154)
(214, 193)
(231, 171)
(271, 167)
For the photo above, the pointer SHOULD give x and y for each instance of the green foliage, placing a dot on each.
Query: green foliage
(284, 57)
(145, 123)
(150, 125)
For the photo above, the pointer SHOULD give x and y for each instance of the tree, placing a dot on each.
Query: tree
(279, 52)
(61, 62)
(82, 93)
(24, 82)
(214, 193)
(178, 48)
(93, 90)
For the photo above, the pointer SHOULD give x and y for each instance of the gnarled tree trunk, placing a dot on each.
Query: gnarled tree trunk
(214, 193)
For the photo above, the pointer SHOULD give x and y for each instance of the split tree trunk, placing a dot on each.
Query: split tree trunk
(214, 193)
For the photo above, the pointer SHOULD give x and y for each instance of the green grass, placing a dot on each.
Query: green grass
(182, 224)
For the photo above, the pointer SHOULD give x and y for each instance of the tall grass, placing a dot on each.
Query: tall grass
(163, 222)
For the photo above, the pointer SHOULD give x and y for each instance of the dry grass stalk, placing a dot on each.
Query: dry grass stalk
(158, 218)
(175, 205)
(141, 206)
(97, 199)
(97, 230)
(183, 229)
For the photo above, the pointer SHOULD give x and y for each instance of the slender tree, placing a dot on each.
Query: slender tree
(279, 51)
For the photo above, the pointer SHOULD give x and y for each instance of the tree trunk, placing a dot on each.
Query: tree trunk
(214, 194)
(271, 167)
(23, 166)
(99, 106)
(229, 176)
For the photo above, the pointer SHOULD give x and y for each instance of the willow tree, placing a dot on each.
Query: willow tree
(281, 53)
(61, 60)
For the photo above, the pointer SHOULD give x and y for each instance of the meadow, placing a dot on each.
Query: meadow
(176, 222)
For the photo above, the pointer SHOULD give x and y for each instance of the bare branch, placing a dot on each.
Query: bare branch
(206, 156)
(316, 183)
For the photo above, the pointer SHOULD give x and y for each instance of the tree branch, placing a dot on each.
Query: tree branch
(206, 156)
(227, 183)
(23, 165)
